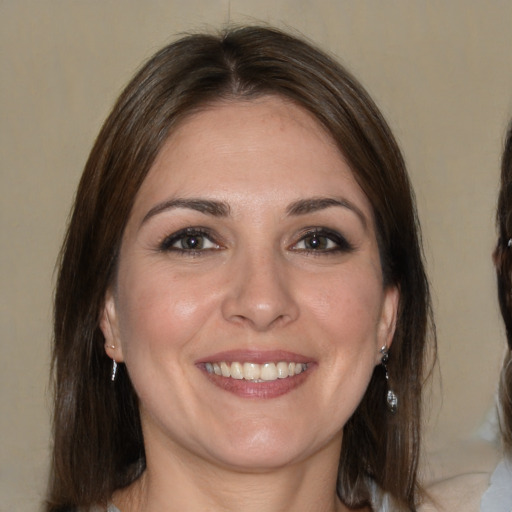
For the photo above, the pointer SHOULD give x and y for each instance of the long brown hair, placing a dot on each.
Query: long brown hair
(98, 444)
(503, 262)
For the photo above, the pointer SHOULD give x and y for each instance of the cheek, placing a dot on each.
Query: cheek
(349, 306)
(348, 316)
(344, 321)
(159, 310)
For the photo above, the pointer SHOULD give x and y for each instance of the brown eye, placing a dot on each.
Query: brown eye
(320, 240)
(317, 242)
(189, 240)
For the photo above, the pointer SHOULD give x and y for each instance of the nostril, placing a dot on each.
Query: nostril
(260, 317)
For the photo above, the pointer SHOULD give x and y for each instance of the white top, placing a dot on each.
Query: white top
(498, 497)
(384, 508)
(380, 503)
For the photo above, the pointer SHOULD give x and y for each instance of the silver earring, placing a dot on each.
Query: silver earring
(391, 398)
(509, 243)
(114, 370)
(114, 363)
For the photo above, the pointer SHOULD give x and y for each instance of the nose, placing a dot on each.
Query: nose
(260, 293)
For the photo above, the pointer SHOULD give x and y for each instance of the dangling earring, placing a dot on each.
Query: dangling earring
(114, 370)
(114, 364)
(391, 398)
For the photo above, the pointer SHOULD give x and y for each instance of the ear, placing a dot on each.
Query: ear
(110, 328)
(388, 317)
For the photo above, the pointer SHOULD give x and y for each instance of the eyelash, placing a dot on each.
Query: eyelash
(322, 235)
(199, 233)
(341, 243)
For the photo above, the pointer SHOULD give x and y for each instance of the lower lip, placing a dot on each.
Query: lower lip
(262, 390)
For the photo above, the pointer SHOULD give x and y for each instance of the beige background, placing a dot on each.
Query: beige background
(441, 72)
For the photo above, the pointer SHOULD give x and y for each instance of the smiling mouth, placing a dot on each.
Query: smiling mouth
(256, 372)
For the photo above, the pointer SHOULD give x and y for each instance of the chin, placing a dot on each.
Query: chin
(262, 448)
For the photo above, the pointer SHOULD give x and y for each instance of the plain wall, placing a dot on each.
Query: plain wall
(441, 73)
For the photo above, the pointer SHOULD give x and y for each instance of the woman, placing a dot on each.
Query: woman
(241, 312)
(472, 491)
(499, 495)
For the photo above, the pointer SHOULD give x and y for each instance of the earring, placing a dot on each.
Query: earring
(114, 370)
(114, 364)
(391, 398)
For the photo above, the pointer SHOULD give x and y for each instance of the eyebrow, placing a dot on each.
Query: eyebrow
(315, 204)
(207, 206)
(222, 209)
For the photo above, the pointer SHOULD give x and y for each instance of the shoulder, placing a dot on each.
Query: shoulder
(461, 493)
(110, 508)
(381, 501)
(498, 497)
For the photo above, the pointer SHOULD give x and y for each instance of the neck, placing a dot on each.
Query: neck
(176, 482)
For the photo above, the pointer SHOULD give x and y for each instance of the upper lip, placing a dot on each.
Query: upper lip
(255, 356)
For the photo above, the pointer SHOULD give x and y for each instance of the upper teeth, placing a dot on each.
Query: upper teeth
(255, 371)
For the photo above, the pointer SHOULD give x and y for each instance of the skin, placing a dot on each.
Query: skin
(257, 285)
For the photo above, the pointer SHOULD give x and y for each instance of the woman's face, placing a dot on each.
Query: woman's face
(249, 306)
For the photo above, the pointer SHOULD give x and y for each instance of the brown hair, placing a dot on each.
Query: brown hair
(503, 262)
(98, 444)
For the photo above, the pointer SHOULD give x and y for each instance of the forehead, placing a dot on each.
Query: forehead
(268, 148)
